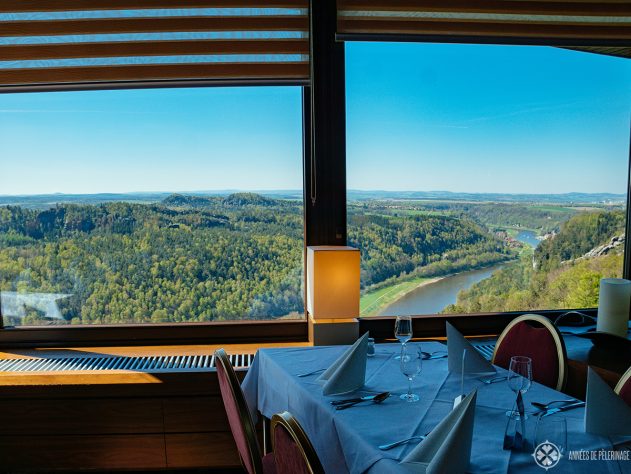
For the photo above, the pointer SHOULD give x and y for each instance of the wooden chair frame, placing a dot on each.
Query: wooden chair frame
(623, 380)
(289, 422)
(244, 413)
(556, 335)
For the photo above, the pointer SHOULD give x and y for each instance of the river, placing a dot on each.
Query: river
(528, 237)
(432, 298)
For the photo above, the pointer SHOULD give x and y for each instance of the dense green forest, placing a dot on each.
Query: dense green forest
(562, 273)
(239, 256)
(208, 258)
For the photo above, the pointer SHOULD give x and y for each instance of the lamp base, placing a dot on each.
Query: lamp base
(333, 332)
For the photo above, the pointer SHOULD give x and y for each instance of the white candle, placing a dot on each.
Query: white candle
(614, 302)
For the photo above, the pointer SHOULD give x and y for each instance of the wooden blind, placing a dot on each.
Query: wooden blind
(561, 21)
(51, 43)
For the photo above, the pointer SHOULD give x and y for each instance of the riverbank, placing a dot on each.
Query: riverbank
(422, 295)
(371, 303)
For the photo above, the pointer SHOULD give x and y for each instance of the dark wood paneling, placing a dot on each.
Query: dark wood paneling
(9, 6)
(50, 453)
(198, 414)
(428, 326)
(325, 166)
(232, 332)
(77, 417)
(201, 450)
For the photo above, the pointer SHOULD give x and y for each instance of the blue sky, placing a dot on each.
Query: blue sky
(420, 117)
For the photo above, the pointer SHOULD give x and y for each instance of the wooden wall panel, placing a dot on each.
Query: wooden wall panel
(196, 414)
(195, 450)
(64, 417)
(50, 453)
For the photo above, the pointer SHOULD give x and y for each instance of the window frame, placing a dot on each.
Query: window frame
(324, 218)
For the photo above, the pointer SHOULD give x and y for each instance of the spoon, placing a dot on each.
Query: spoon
(493, 380)
(377, 399)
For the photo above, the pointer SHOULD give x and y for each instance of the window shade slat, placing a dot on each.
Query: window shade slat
(493, 29)
(72, 42)
(150, 72)
(153, 48)
(609, 21)
(15, 6)
(152, 25)
(542, 7)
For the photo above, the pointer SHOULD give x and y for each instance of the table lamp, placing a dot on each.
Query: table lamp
(333, 294)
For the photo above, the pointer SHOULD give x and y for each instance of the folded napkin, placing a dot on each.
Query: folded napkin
(474, 362)
(348, 372)
(605, 412)
(447, 448)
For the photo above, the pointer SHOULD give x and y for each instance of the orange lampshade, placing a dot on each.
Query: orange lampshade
(332, 282)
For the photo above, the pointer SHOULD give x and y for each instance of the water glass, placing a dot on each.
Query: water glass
(519, 378)
(411, 363)
(550, 440)
(403, 330)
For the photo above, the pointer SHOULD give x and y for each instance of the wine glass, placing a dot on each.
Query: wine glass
(519, 378)
(403, 330)
(411, 363)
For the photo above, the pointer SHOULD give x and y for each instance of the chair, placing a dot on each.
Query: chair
(623, 388)
(536, 337)
(239, 418)
(293, 452)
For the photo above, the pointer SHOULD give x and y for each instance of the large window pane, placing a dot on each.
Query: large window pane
(485, 178)
(140, 206)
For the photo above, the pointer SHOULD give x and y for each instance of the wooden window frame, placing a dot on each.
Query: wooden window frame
(324, 168)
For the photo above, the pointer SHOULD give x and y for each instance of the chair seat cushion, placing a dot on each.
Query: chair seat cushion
(269, 464)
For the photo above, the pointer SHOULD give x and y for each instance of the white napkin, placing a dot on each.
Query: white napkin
(447, 449)
(605, 412)
(348, 372)
(474, 363)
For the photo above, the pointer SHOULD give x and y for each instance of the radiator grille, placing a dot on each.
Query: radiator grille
(137, 364)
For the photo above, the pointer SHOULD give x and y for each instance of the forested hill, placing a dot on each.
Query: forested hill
(559, 275)
(207, 258)
(578, 236)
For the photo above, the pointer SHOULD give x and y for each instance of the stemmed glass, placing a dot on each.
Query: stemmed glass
(519, 378)
(403, 330)
(411, 363)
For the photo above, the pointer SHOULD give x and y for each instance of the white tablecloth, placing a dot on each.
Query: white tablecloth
(347, 441)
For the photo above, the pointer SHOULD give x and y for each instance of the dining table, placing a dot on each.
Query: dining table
(347, 441)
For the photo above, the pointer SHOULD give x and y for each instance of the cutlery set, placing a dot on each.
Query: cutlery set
(349, 402)
(551, 411)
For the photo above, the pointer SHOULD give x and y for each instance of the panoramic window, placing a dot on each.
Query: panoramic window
(485, 178)
(151, 206)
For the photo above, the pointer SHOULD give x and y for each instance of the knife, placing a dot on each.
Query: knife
(552, 411)
(353, 400)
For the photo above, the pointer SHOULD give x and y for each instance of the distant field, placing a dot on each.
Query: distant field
(554, 208)
(371, 302)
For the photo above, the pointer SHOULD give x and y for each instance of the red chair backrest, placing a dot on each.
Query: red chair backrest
(293, 452)
(239, 418)
(535, 337)
(623, 388)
